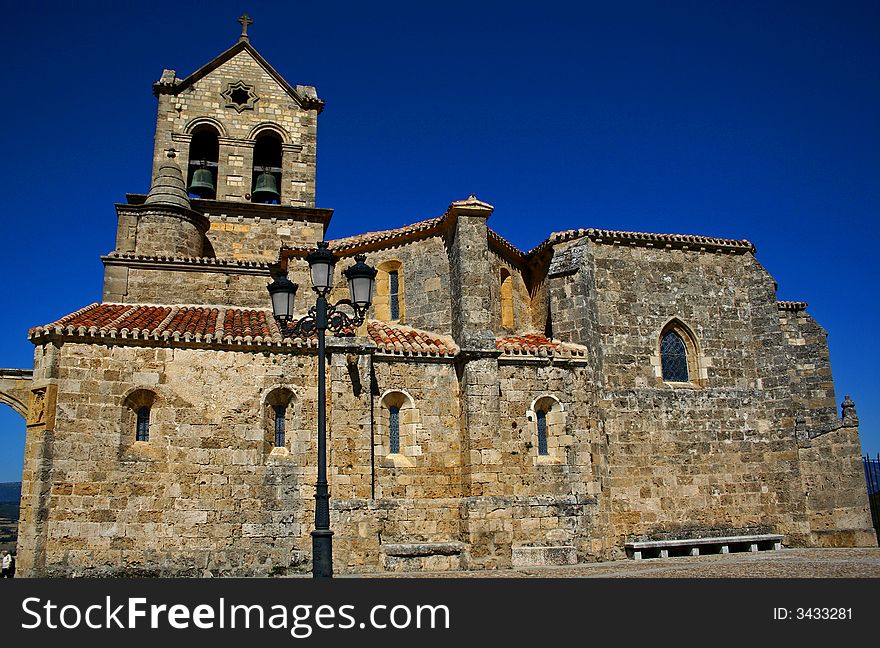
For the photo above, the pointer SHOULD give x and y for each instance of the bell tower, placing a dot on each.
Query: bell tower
(233, 180)
(241, 127)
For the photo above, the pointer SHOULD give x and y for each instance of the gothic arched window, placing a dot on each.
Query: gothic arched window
(673, 358)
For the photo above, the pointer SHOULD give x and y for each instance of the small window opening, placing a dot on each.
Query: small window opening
(542, 432)
(394, 294)
(143, 424)
(280, 413)
(394, 429)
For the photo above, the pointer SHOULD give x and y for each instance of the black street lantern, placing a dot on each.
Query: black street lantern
(361, 281)
(282, 291)
(322, 262)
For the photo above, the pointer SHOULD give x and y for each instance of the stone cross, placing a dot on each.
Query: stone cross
(244, 21)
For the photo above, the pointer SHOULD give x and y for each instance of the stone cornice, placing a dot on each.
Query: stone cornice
(187, 264)
(231, 210)
(791, 305)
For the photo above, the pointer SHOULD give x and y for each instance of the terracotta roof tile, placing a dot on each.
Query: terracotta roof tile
(537, 344)
(395, 338)
(220, 325)
(352, 244)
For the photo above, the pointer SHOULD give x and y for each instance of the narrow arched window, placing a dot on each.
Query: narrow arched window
(280, 413)
(394, 294)
(541, 416)
(394, 429)
(389, 302)
(506, 299)
(142, 432)
(673, 357)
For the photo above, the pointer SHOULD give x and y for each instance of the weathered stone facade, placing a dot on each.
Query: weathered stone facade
(515, 410)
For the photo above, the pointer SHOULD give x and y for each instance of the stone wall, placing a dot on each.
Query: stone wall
(833, 478)
(258, 238)
(425, 267)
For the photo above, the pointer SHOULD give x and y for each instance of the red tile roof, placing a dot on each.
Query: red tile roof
(221, 325)
(536, 344)
(374, 240)
(395, 338)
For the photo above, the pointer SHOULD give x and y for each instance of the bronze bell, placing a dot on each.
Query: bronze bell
(266, 189)
(202, 184)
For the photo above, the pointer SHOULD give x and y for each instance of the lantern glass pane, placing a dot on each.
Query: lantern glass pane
(282, 304)
(322, 275)
(361, 290)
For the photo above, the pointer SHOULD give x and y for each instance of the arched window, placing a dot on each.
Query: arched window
(398, 423)
(137, 418)
(546, 425)
(279, 418)
(204, 157)
(389, 304)
(506, 299)
(394, 429)
(673, 357)
(142, 430)
(542, 431)
(280, 414)
(266, 183)
(394, 294)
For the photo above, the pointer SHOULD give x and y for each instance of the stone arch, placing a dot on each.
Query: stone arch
(695, 362)
(197, 122)
(15, 389)
(550, 409)
(385, 299)
(263, 127)
(408, 422)
(7, 398)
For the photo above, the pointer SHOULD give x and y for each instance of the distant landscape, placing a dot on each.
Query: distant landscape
(10, 498)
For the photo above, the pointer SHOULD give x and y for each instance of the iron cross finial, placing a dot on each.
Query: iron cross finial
(244, 21)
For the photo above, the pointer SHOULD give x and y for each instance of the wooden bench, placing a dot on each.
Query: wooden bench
(691, 546)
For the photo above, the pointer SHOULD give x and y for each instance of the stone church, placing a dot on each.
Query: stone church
(499, 407)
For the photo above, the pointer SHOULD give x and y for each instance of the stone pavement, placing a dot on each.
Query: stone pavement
(787, 563)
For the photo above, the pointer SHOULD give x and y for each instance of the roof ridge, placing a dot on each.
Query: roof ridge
(599, 235)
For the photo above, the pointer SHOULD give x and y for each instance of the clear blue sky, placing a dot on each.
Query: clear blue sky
(753, 120)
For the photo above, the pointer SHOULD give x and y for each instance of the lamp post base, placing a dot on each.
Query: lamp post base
(322, 553)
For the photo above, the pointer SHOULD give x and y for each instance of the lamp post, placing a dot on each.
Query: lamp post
(323, 316)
